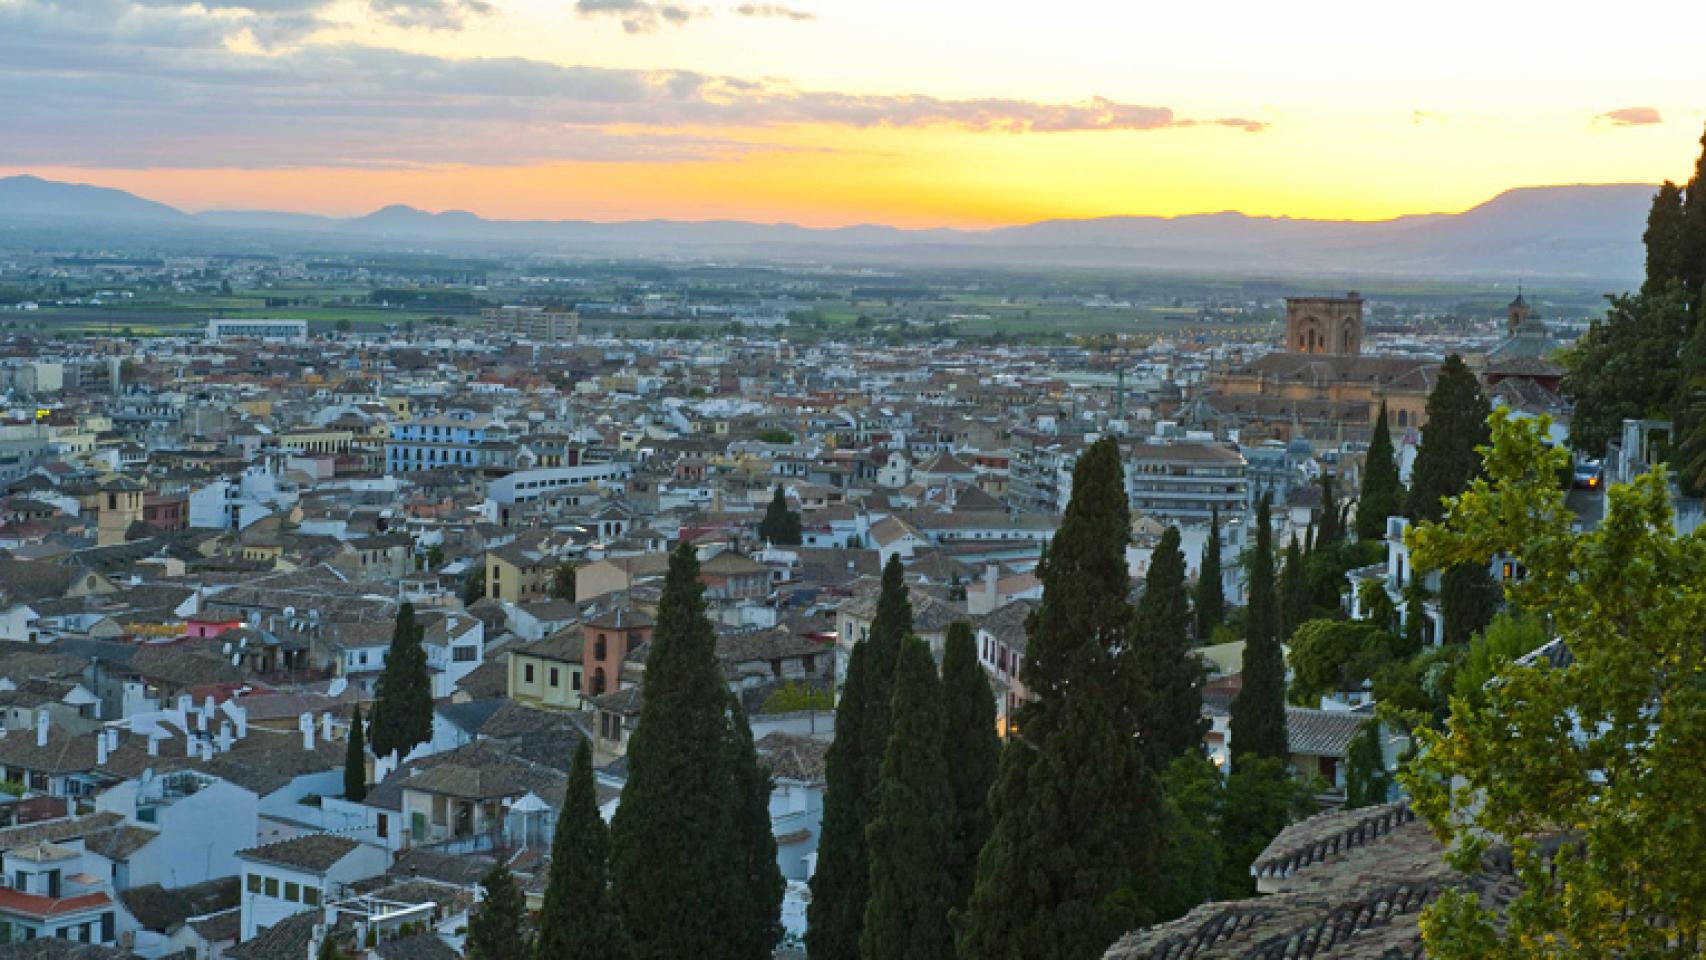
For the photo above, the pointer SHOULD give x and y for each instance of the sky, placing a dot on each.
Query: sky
(827, 112)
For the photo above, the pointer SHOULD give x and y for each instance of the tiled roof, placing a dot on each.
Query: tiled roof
(163, 910)
(33, 905)
(287, 939)
(1322, 733)
(313, 852)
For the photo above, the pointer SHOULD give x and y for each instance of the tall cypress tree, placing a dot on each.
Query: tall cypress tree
(1468, 599)
(1382, 492)
(760, 886)
(1330, 530)
(577, 920)
(1171, 724)
(1448, 460)
(402, 714)
(497, 927)
(1258, 711)
(912, 837)
(674, 830)
(780, 525)
(841, 884)
(971, 751)
(355, 761)
(1293, 590)
(1211, 594)
(1071, 857)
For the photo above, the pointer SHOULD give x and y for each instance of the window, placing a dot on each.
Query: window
(311, 895)
(527, 672)
(464, 654)
(293, 891)
(272, 887)
(254, 883)
(555, 677)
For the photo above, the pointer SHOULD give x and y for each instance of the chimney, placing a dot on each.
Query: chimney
(206, 751)
(207, 708)
(101, 748)
(189, 744)
(326, 727)
(153, 745)
(186, 703)
(305, 723)
(41, 728)
(112, 739)
(225, 736)
(240, 715)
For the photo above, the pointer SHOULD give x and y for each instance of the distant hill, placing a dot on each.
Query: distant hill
(27, 196)
(1584, 232)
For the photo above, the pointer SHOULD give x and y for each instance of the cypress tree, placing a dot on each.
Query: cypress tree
(1366, 781)
(497, 928)
(674, 829)
(1293, 590)
(1382, 492)
(1331, 531)
(1468, 599)
(1258, 711)
(1072, 853)
(1666, 238)
(841, 884)
(759, 886)
(577, 920)
(780, 525)
(1211, 594)
(842, 880)
(1415, 619)
(1171, 723)
(473, 586)
(1448, 460)
(912, 837)
(402, 714)
(355, 761)
(970, 749)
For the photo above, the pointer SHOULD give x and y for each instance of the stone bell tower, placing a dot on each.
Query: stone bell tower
(1326, 325)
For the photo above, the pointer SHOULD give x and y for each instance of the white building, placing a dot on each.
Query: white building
(290, 331)
(303, 873)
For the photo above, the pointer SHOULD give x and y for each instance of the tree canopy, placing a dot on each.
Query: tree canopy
(577, 920)
(1211, 594)
(402, 713)
(1382, 492)
(1258, 711)
(1622, 777)
(1457, 424)
(780, 526)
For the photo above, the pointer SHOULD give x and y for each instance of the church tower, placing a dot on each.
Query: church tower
(1326, 325)
(1518, 311)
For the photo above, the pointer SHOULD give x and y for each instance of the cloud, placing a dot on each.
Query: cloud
(111, 83)
(431, 14)
(637, 16)
(1630, 117)
(774, 10)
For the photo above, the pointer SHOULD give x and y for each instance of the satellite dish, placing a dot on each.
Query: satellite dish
(337, 688)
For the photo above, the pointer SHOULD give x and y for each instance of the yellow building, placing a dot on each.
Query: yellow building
(519, 574)
(547, 673)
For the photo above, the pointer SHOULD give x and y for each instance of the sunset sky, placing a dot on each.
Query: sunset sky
(824, 112)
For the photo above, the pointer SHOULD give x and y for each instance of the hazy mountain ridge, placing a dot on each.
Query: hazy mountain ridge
(1558, 231)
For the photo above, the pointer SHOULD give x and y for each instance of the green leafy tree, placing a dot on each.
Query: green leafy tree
(1072, 858)
(759, 883)
(1415, 619)
(1448, 457)
(402, 713)
(1170, 722)
(780, 525)
(563, 582)
(1510, 636)
(841, 885)
(497, 926)
(577, 920)
(474, 585)
(1606, 751)
(971, 751)
(1626, 366)
(1331, 655)
(1382, 492)
(1367, 781)
(1261, 799)
(912, 837)
(1211, 595)
(355, 761)
(775, 435)
(1258, 711)
(674, 829)
(1192, 859)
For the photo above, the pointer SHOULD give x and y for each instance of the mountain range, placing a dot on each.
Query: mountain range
(1577, 231)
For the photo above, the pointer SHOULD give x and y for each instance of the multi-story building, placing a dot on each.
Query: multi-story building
(434, 442)
(292, 331)
(540, 324)
(1177, 482)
